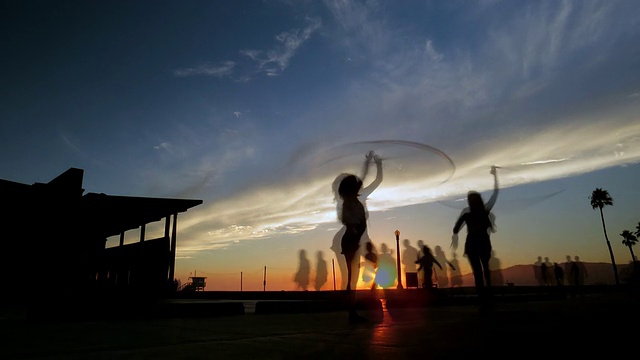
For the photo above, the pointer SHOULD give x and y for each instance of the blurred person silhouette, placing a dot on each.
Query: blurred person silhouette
(537, 271)
(544, 273)
(496, 270)
(321, 271)
(387, 273)
(579, 271)
(567, 270)
(577, 275)
(420, 244)
(370, 265)
(558, 273)
(301, 278)
(427, 262)
(456, 275)
(549, 266)
(408, 255)
(371, 303)
(479, 221)
(442, 275)
(363, 195)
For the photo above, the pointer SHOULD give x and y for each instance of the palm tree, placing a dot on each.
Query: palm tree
(629, 240)
(599, 199)
(637, 233)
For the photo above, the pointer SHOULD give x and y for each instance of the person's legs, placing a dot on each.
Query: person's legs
(351, 289)
(476, 268)
(350, 248)
(349, 262)
(428, 278)
(484, 261)
(336, 247)
(343, 269)
(425, 279)
(478, 263)
(487, 289)
(354, 265)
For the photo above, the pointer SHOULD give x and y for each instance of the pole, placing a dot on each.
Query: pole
(264, 280)
(172, 245)
(397, 233)
(142, 228)
(333, 269)
(240, 280)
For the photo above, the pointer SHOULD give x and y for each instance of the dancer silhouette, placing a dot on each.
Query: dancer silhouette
(354, 218)
(363, 195)
(477, 247)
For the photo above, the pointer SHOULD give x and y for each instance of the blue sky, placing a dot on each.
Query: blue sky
(256, 106)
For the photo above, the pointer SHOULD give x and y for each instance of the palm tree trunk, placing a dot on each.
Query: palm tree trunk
(613, 260)
(633, 256)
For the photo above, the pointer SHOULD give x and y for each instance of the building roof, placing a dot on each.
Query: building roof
(111, 215)
(97, 213)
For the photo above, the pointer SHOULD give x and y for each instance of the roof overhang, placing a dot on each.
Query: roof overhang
(110, 215)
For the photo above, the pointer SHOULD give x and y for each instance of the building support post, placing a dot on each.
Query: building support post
(172, 252)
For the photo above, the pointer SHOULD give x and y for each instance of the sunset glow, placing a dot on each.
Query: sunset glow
(256, 107)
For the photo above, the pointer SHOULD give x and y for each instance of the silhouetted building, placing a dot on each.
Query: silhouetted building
(56, 236)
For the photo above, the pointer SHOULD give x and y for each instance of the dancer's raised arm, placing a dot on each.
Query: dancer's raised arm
(377, 181)
(492, 200)
(365, 166)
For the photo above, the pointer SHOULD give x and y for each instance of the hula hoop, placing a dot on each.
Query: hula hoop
(413, 144)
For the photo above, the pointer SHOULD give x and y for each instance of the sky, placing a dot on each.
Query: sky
(255, 107)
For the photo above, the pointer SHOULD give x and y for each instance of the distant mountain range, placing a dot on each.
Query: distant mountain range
(524, 275)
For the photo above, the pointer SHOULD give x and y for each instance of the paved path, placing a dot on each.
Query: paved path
(592, 325)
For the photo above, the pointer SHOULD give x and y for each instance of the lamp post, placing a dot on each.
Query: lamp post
(397, 233)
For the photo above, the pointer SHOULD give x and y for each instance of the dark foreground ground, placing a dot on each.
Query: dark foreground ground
(597, 323)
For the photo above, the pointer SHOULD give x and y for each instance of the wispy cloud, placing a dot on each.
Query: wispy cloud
(271, 211)
(273, 61)
(164, 146)
(431, 52)
(549, 161)
(71, 145)
(362, 29)
(217, 70)
(84, 155)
